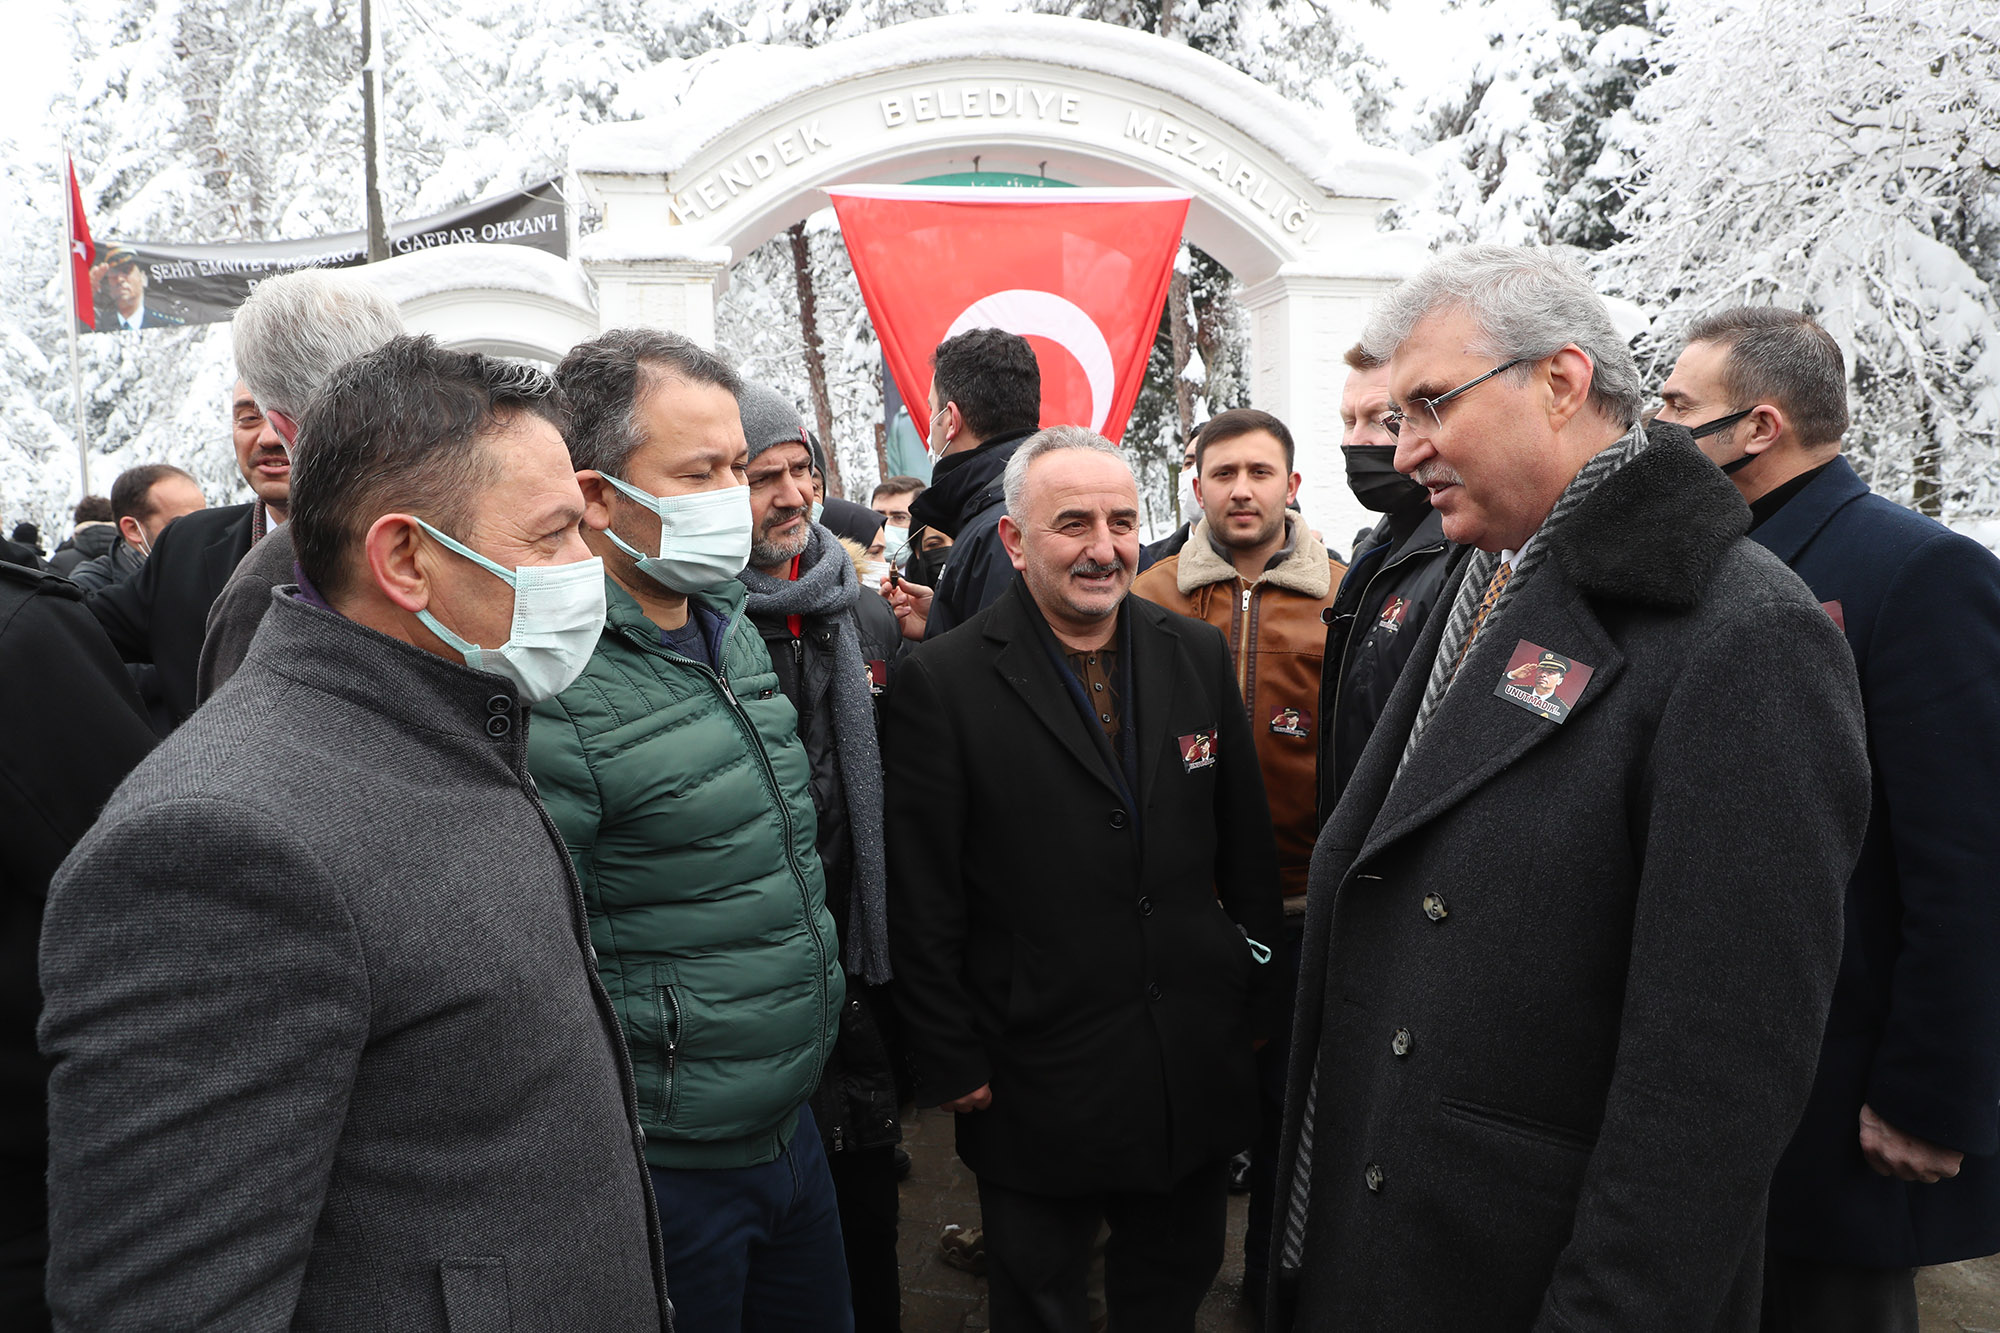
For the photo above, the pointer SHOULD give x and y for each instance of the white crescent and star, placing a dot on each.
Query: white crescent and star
(1031, 313)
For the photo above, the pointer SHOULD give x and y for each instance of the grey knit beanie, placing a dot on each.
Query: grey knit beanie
(769, 418)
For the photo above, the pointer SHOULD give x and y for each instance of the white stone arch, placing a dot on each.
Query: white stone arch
(1288, 199)
(504, 300)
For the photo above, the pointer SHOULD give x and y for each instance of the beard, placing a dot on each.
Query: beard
(766, 553)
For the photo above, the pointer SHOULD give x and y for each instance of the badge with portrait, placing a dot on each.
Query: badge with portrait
(1545, 683)
(1197, 750)
(1287, 721)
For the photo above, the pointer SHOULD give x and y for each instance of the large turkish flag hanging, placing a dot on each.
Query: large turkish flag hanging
(1082, 274)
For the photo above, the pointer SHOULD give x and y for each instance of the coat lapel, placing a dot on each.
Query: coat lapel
(1475, 736)
(1155, 653)
(1024, 664)
(1789, 531)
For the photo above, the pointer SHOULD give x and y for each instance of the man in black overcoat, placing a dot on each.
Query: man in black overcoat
(1564, 978)
(1893, 1166)
(1083, 895)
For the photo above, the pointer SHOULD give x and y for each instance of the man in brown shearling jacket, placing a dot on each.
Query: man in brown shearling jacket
(1254, 570)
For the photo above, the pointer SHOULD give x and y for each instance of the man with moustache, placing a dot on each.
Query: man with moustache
(1083, 993)
(159, 616)
(830, 640)
(1388, 592)
(1544, 1067)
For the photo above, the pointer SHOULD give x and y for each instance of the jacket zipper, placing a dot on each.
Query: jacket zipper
(777, 798)
(673, 1016)
(1247, 650)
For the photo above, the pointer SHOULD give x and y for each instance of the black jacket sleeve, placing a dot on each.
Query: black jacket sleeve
(1934, 733)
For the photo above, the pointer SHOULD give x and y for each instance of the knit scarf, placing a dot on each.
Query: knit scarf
(828, 586)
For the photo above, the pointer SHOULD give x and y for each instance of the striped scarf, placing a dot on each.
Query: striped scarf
(1479, 571)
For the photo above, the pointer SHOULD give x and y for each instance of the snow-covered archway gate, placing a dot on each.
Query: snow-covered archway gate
(1287, 200)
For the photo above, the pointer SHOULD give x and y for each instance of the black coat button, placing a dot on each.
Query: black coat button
(1153, 990)
(1434, 907)
(1373, 1177)
(499, 726)
(1117, 819)
(500, 703)
(1145, 907)
(1400, 1044)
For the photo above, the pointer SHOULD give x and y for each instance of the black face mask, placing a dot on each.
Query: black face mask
(1716, 427)
(924, 567)
(1372, 476)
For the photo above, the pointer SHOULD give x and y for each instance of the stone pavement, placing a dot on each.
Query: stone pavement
(937, 1298)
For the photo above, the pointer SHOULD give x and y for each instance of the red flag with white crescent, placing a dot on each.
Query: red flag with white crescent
(1082, 274)
(82, 251)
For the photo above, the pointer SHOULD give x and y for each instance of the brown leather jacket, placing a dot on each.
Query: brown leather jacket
(1277, 641)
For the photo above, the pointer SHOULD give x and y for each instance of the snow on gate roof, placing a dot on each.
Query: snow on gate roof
(690, 105)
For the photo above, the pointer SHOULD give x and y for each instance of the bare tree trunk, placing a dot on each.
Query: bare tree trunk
(1177, 327)
(1927, 480)
(815, 358)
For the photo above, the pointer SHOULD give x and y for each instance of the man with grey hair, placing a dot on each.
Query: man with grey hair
(291, 334)
(1893, 1166)
(1084, 990)
(1565, 970)
(327, 1047)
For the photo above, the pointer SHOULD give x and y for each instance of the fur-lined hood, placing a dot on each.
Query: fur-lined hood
(1308, 570)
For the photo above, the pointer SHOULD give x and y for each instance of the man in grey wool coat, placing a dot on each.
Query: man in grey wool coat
(1564, 976)
(329, 1049)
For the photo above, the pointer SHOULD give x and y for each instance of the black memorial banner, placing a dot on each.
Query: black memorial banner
(145, 284)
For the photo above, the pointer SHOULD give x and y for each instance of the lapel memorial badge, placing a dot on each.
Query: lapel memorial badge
(1542, 682)
(1394, 612)
(1291, 721)
(1197, 751)
(878, 675)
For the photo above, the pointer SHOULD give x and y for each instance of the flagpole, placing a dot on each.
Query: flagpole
(69, 318)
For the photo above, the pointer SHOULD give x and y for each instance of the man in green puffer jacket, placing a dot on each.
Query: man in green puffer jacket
(674, 771)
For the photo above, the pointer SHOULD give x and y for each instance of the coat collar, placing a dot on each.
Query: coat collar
(1650, 534)
(420, 691)
(1787, 532)
(1308, 570)
(1024, 664)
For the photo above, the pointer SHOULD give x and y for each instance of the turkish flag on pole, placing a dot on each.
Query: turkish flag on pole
(81, 252)
(1080, 273)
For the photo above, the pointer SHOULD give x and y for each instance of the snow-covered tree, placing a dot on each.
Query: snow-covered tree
(1849, 166)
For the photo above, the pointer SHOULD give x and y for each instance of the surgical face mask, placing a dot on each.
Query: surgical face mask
(819, 507)
(558, 618)
(1372, 476)
(872, 573)
(1190, 502)
(704, 537)
(895, 542)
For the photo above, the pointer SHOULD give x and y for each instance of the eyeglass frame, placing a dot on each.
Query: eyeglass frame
(1393, 419)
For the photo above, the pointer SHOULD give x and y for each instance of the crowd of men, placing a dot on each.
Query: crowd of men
(517, 869)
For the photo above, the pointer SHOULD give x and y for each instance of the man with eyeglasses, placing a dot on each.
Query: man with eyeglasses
(1893, 1165)
(1564, 976)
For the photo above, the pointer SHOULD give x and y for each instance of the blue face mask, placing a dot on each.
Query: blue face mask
(558, 619)
(704, 537)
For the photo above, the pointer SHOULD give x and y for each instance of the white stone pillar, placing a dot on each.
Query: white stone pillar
(675, 293)
(1301, 324)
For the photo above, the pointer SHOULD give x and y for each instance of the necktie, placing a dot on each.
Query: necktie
(1493, 591)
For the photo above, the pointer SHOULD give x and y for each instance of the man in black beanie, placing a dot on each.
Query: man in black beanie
(830, 641)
